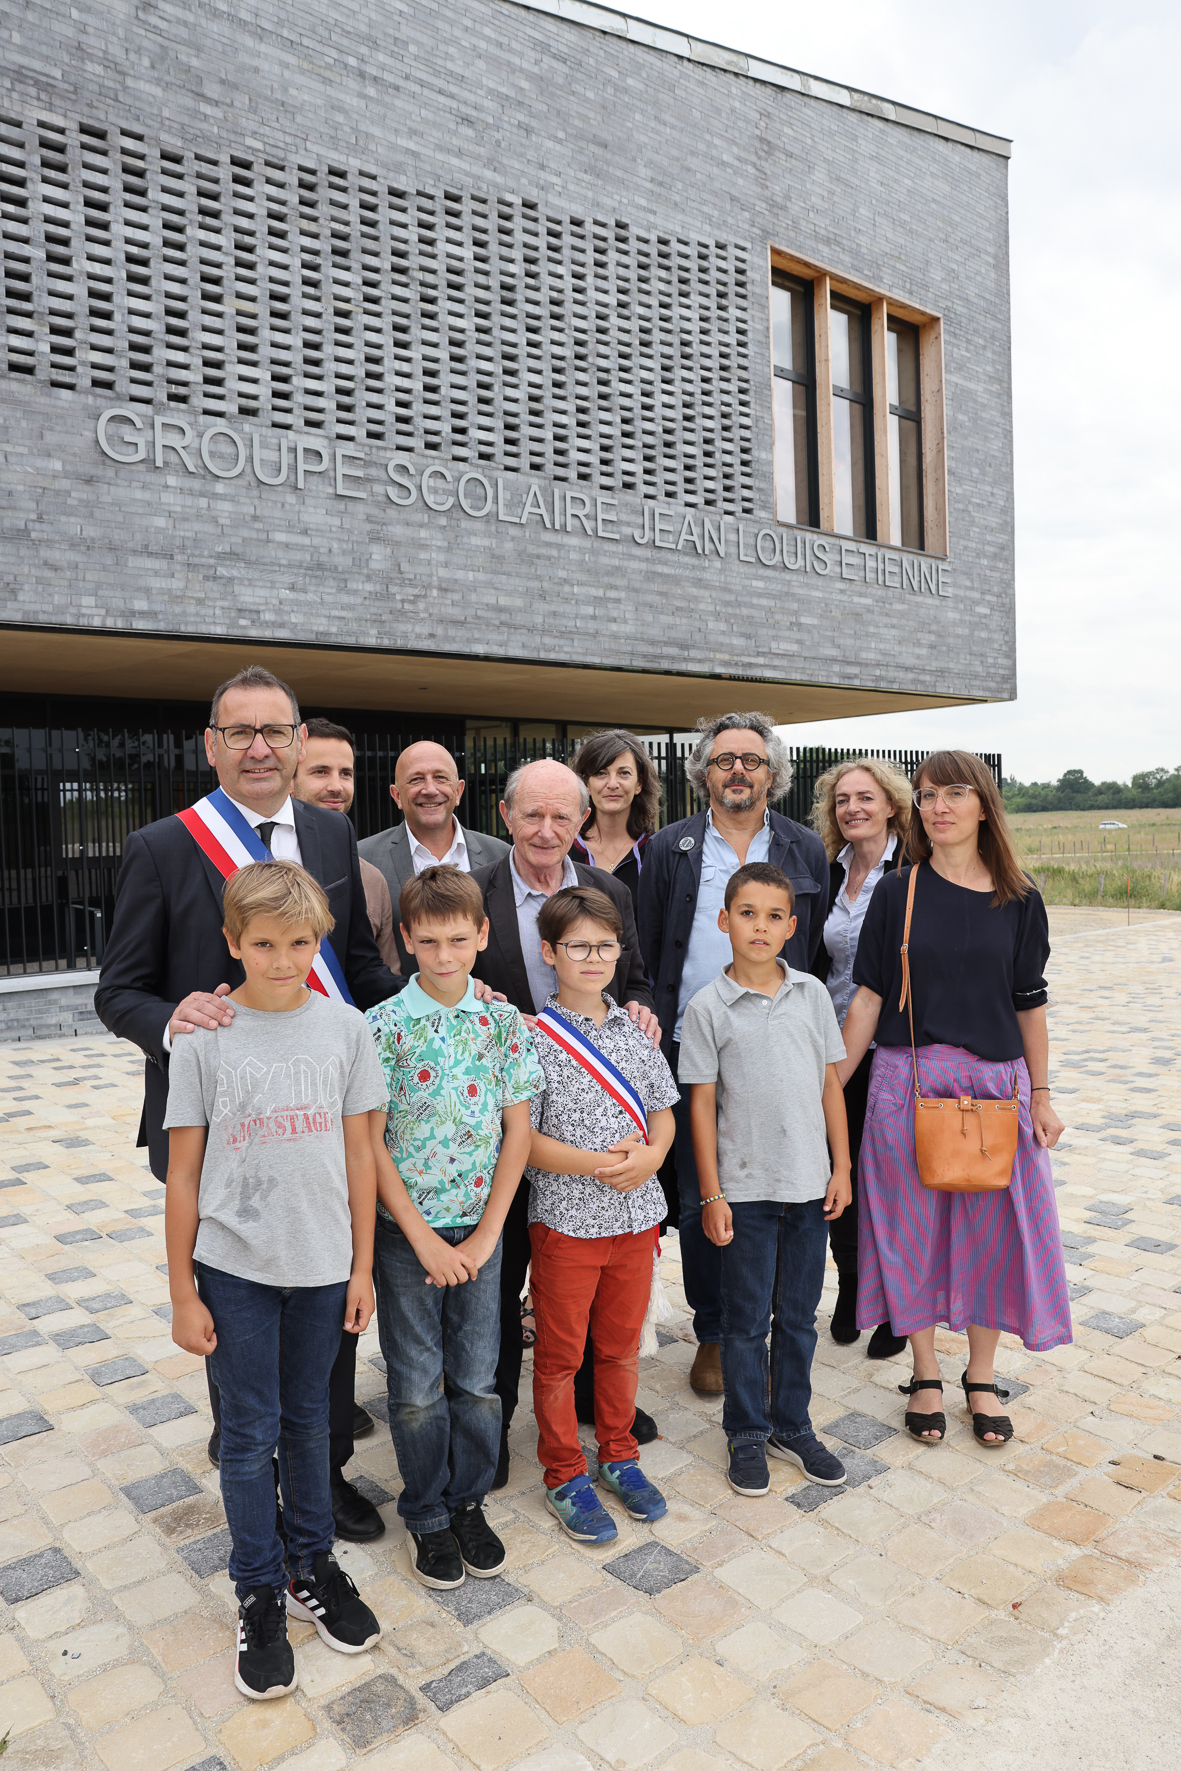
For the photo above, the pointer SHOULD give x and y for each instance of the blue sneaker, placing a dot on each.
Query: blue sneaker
(748, 1473)
(628, 1481)
(809, 1455)
(577, 1510)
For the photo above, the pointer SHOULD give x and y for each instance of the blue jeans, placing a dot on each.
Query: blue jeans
(275, 1349)
(440, 1345)
(701, 1260)
(772, 1274)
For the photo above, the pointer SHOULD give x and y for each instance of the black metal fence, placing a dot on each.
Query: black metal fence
(68, 799)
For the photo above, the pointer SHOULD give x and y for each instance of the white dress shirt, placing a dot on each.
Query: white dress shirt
(284, 846)
(842, 931)
(456, 855)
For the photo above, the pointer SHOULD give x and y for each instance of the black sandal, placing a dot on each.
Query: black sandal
(1000, 1424)
(920, 1426)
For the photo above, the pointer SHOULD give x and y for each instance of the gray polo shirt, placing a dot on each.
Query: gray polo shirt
(767, 1055)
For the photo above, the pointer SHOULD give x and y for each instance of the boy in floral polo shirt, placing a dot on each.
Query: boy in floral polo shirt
(450, 1151)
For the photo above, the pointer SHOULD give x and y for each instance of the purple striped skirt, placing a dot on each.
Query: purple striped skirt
(992, 1259)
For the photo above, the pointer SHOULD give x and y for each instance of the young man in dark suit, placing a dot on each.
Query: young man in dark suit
(167, 969)
(543, 808)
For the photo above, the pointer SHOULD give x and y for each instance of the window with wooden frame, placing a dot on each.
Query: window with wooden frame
(857, 380)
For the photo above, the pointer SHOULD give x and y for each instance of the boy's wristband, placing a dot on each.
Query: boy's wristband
(713, 1199)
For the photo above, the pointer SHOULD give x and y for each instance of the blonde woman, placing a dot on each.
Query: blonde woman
(983, 1263)
(861, 812)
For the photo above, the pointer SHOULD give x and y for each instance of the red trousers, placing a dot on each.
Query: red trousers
(606, 1281)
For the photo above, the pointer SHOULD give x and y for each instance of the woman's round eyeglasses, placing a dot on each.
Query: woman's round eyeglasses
(955, 795)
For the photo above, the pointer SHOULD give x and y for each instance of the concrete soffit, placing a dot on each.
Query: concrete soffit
(734, 61)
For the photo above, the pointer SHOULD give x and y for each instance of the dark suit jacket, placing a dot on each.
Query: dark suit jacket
(669, 885)
(821, 963)
(389, 852)
(502, 963)
(166, 940)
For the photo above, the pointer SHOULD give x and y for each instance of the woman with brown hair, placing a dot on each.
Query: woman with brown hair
(624, 786)
(861, 813)
(988, 1263)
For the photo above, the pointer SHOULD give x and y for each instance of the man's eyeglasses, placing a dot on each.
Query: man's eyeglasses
(955, 795)
(242, 737)
(580, 951)
(749, 760)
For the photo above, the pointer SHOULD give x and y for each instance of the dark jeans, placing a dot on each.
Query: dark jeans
(341, 1387)
(772, 1274)
(701, 1260)
(842, 1232)
(275, 1348)
(439, 1344)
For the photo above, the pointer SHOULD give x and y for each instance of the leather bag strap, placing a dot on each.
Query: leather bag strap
(907, 996)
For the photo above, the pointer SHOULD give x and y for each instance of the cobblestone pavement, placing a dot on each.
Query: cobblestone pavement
(868, 1627)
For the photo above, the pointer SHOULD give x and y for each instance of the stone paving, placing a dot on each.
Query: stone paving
(877, 1626)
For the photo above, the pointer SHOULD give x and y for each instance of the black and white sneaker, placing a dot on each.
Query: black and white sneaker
(480, 1549)
(807, 1453)
(330, 1600)
(265, 1664)
(435, 1559)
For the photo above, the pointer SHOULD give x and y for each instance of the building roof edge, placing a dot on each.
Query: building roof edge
(736, 61)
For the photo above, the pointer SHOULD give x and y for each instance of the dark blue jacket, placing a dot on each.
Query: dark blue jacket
(669, 885)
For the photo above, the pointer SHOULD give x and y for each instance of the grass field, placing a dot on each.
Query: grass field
(1074, 862)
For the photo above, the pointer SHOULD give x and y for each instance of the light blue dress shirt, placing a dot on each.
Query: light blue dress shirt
(842, 931)
(543, 979)
(709, 949)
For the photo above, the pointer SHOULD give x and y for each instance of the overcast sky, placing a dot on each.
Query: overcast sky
(1088, 91)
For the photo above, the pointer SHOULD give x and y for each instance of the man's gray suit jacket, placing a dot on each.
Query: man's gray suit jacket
(389, 852)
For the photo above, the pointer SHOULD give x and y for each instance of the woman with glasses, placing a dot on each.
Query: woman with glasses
(985, 1263)
(861, 813)
(624, 788)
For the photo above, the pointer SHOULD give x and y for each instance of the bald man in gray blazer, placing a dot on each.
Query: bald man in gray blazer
(426, 788)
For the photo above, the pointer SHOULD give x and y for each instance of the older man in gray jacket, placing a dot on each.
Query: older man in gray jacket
(426, 788)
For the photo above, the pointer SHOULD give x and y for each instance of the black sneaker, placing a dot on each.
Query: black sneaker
(330, 1600)
(807, 1453)
(436, 1561)
(481, 1550)
(265, 1665)
(747, 1472)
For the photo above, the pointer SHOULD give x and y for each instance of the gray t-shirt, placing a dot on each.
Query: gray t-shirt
(273, 1090)
(767, 1055)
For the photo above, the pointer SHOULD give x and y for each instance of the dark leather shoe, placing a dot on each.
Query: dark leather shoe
(357, 1520)
(644, 1428)
(884, 1343)
(500, 1479)
(214, 1447)
(362, 1422)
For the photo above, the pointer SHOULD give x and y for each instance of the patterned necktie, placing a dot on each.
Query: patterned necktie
(264, 833)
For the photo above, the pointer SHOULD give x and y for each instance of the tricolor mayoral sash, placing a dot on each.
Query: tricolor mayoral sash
(226, 840)
(581, 1049)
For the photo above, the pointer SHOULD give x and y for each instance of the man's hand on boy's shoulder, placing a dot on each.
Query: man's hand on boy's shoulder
(192, 1327)
(484, 994)
(645, 1020)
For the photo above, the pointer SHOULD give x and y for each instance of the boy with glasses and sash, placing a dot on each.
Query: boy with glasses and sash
(601, 1129)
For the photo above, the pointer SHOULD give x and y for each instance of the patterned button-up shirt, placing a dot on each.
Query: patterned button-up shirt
(451, 1073)
(577, 1110)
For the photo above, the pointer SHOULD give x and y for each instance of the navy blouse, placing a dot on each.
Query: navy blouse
(971, 966)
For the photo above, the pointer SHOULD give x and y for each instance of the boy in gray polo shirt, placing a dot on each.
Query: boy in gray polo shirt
(759, 1048)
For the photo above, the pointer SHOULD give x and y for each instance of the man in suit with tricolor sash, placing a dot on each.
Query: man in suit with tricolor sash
(167, 970)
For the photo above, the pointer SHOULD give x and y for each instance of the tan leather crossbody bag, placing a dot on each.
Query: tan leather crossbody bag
(962, 1145)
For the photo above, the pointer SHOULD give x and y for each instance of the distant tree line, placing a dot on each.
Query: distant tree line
(1074, 792)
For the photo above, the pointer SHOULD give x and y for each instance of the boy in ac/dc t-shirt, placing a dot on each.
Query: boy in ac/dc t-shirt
(269, 1221)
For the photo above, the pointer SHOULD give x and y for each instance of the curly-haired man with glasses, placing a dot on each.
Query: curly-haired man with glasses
(740, 766)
